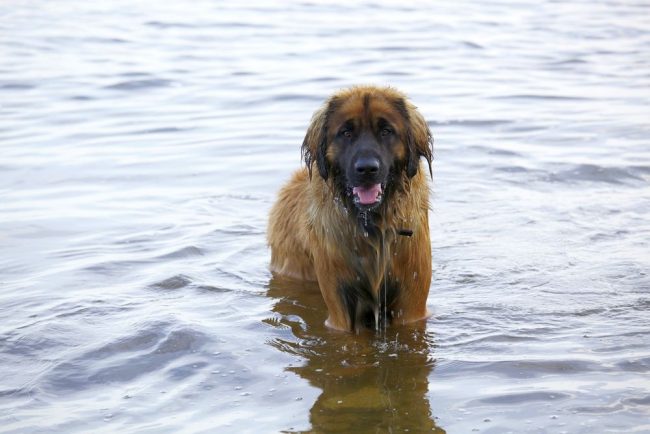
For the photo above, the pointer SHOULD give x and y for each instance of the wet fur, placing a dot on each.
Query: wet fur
(369, 274)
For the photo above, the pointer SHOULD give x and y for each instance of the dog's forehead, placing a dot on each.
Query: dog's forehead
(366, 108)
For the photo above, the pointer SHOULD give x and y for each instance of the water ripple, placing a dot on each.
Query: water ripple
(140, 84)
(140, 161)
(148, 349)
(518, 398)
(595, 173)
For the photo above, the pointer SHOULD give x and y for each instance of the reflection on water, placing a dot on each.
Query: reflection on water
(370, 382)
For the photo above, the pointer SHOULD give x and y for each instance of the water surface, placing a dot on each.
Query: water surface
(143, 144)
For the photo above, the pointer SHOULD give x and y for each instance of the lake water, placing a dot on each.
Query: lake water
(142, 145)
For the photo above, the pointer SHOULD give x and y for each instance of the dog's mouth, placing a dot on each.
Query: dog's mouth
(367, 196)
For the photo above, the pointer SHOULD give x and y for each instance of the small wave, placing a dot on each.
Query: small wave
(168, 25)
(280, 97)
(148, 349)
(103, 40)
(599, 409)
(240, 229)
(522, 368)
(324, 79)
(477, 123)
(175, 282)
(512, 169)
(214, 289)
(590, 311)
(645, 400)
(15, 393)
(396, 48)
(162, 130)
(237, 277)
(474, 45)
(504, 152)
(140, 84)
(518, 398)
(217, 199)
(81, 98)
(28, 345)
(497, 337)
(185, 371)
(185, 252)
(569, 62)
(17, 86)
(638, 365)
(539, 97)
(604, 236)
(112, 268)
(594, 173)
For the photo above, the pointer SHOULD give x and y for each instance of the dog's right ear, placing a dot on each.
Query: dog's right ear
(314, 146)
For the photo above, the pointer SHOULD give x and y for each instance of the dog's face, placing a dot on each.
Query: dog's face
(365, 142)
(364, 138)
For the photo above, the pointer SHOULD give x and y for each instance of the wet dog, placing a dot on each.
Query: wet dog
(356, 217)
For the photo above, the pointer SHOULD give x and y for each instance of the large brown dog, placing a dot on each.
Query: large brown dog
(359, 223)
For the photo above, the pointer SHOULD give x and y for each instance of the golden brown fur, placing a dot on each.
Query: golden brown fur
(369, 274)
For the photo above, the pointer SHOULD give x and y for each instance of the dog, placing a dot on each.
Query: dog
(355, 218)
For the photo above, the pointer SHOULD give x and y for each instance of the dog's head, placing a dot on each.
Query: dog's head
(363, 139)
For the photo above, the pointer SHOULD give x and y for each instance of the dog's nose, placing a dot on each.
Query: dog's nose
(366, 166)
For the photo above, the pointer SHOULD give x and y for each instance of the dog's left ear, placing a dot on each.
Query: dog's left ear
(420, 141)
(314, 146)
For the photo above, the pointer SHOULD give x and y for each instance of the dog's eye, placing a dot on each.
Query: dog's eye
(386, 132)
(346, 133)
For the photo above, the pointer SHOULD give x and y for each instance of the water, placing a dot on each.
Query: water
(142, 145)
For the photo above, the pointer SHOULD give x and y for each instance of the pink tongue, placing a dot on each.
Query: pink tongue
(367, 195)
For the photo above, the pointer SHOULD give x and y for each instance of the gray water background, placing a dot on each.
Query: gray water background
(142, 144)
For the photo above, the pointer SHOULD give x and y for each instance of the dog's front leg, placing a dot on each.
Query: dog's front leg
(412, 269)
(332, 273)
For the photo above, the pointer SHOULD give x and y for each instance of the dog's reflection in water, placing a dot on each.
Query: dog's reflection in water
(371, 381)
